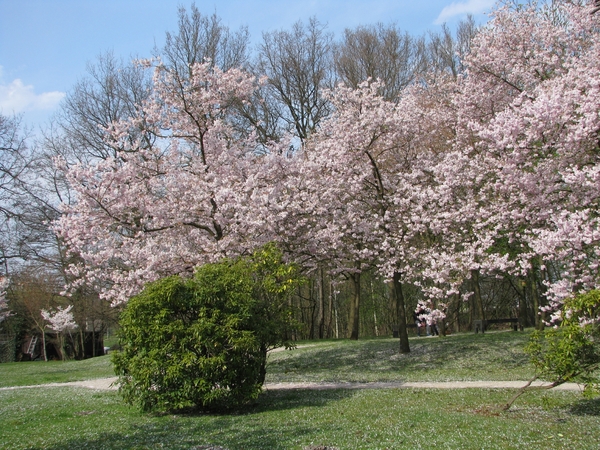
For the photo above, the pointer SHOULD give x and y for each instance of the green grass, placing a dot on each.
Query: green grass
(75, 418)
(40, 372)
(495, 356)
(70, 418)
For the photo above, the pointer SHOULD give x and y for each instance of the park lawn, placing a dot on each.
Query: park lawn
(41, 372)
(497, 356)
(74, 418)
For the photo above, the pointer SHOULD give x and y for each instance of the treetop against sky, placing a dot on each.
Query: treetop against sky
(45, 46)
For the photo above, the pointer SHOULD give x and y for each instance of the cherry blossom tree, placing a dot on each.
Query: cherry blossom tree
(331, 203)
(491, 170)
(510, 181)
(353, 199)
(529, 119)
(504, 176)
(60, 320)
(168, 201)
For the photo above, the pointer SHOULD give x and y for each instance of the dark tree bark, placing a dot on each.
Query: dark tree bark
(354, 321)
(397, 294)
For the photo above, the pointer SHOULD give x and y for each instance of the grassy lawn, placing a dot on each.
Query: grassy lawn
(75, 418)
(494, 356)
(40, 372)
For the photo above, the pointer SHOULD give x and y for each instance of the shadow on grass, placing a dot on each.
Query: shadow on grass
(381, 358)
(258, 427)
(175, 438)
(589, 407)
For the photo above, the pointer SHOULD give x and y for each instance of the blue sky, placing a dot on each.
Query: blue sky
(46, 44)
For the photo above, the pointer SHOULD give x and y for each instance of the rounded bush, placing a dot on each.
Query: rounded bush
(203, 342)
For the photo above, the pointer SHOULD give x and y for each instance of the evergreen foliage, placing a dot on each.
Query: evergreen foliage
(202, 343)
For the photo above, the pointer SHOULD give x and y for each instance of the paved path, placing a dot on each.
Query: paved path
(109, 384)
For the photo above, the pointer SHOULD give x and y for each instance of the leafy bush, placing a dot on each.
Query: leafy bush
(203, 342)
(571, 351)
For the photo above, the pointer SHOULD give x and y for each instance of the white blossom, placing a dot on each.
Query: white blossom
(61, 319)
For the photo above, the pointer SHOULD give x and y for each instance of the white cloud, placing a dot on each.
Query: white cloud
(16, 97)
(463, 8)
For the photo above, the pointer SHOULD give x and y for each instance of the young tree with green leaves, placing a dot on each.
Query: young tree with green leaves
(569, 351)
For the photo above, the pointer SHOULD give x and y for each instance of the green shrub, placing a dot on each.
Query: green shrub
(203, 342)
(571, 351)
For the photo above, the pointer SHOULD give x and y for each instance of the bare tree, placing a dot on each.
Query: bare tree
(446, 52)
(299, 66)
(379, 53)
(28, 203)
(398, 59)
(15, 167)
(200, 38)
(111, 91)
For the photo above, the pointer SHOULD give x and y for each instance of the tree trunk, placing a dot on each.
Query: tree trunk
(354, 306)
(337, 324)
(535, 299)
(93, 338)
(523, 309)
(477, 294)
(313, 309)
(393, 301)
(292, 334)
(44, 345)
(540, 290)
(471, 311)
(457, 306)
(321, 313)
(61, 345)
(81, 344)
(400, 313)
(441, 325)
(263, 364)
(330, 311)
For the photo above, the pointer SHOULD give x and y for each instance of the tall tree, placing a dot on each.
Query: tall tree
(200, 39)
(381, 53)
(445, 52)
(518, 178)
(112, 90)
(298, 66)
(15, 167)
(167, 204)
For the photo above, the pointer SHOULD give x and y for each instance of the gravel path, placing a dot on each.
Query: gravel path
(109, 384)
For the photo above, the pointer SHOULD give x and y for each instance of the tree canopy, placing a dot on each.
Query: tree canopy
(472, 157)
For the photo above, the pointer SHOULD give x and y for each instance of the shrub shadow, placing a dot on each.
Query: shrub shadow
(381, 360)
(226, 431)
(588, 407)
